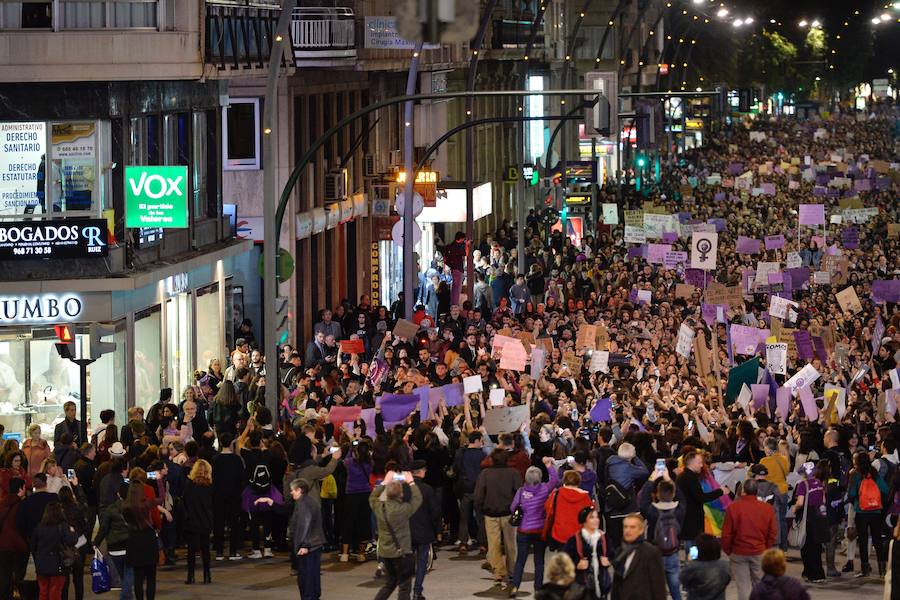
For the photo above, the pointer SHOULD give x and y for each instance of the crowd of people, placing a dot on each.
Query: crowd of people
(592, 413)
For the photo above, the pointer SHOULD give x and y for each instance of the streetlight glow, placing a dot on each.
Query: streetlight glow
(802, 23)
(748, 20)
(722, 12)
(815, 24)
(737, 23)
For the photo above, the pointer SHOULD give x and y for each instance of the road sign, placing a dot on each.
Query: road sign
(284, 265)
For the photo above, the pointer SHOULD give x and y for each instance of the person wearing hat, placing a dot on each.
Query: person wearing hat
(425, 524)
(307, 539)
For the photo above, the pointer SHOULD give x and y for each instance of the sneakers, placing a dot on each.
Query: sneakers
(848, 568)
(255, 554)
(267, 552)
(512, 591)
(344, 558)
(361, 558)
(833, 573)
(235, 557)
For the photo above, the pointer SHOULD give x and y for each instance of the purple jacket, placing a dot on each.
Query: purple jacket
(357, 476)
(249, 497)
(532, 498)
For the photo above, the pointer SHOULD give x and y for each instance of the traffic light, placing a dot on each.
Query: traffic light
(282, 320)
(98, 347)
(641, 162)
(65, 347)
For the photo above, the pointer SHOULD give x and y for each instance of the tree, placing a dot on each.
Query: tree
(768, 59)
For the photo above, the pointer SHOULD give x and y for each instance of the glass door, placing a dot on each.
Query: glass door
(179, 342)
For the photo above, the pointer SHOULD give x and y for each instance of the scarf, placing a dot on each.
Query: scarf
(593, 539)
(622, 554)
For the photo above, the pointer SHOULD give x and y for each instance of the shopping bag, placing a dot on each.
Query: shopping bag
(99, 575)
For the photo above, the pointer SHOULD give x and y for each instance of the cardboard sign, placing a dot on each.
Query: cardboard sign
(704, 249)
(849, 301)
(405, 329)
(684, 290)
(602, 337)
(506, 419)
(586, 337)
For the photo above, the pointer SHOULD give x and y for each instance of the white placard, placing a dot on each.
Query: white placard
(776, 358)
(685, 340)
(472, 384)
(704, 247)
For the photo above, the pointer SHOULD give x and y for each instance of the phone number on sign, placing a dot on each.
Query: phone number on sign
(36, 251)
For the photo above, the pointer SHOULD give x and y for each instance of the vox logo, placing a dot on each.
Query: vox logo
(156, 196)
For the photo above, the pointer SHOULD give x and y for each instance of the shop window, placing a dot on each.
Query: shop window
(179, 343)
(107, 380)
(199, 165)
(74, 177)
(147, 357)
(241, 134)
(209, 328)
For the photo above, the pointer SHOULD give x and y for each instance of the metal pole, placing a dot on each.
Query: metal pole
(272, 225)
(521, 189)
(410, 271)
(82, 368)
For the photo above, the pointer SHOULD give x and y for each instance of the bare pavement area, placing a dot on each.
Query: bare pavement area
(453, 576)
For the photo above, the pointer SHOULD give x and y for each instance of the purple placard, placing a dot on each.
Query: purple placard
(746, 245)
(670, 237)
(774, 242)
(821, 350)
(783, 402)
(601, 411)
(718, 223)
(799, 276)
(710, 312)
(695, 277)
(862, 185)
(820, 191)
(886, 290)
(768, 189)
(809, 403)
(672, 259)
(735, 168)
(637, 251)
(883, 183)
(822, 178)
(812, 214)
(656, 253)
(719, 197)
(836, 193)
(804, 345)
(850, 237)
(684, 217)
(454, 394)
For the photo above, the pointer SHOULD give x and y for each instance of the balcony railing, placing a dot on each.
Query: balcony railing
(323, 33)
(238, 35)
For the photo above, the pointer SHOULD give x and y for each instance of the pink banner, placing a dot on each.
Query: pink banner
(812, 214)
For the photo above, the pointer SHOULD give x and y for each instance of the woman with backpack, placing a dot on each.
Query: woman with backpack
(258, 500)
(587, 549)
(51, 542)
(75, 509)
(809, 504)
(866, 490)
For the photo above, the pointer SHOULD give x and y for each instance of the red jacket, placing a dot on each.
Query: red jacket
(565, 521)
(749, 528)
(10, 538)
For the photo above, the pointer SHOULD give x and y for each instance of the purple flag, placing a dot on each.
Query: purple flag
(453, 394)
(719, 197)
(601, 411)
(809, 403)
(812, 214)
(746, 245)
(422, 394)
(396, 407)
(760, 394)
(783, 402)
(877, 334)
(774, 242)
(804, 344)
(886, 290)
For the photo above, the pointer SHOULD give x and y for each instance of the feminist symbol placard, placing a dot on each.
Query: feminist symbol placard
(704, 247)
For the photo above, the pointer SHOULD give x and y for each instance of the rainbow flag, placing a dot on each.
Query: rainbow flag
(713, 512)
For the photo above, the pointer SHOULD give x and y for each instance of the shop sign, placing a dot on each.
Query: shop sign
(693, 124)
(319, 219)
(156, 197)
(176, 284)
(382, 227)
(58, 238)
(375, 274)
(43, 308)
(425, 185)
(23, 147)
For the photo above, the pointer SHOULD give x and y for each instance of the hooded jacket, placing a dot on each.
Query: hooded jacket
(705, 579)
(565, 518)
(397, 514)
(10, 538)
(651, 510)
(532, 498)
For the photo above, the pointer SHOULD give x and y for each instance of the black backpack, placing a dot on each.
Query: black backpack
(260, 482)
(617, 497)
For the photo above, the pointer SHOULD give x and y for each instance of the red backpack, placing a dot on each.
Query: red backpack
(869, 495)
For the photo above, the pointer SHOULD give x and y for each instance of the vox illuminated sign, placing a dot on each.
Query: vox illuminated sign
(156, 196)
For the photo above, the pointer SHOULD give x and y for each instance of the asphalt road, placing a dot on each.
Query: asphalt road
(453, 576)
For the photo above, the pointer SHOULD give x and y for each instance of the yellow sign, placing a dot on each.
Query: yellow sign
(693, 124)
(578, 199)
(425, 185)
(375, 274)
(421, 177)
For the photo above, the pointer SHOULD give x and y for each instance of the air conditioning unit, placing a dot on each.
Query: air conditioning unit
(370, 168)
(395, 158)
(336, 185)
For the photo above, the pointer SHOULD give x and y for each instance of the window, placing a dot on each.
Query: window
(209, 327)
(147, 368)
(73, 156)
(240, 134)
(199, 165)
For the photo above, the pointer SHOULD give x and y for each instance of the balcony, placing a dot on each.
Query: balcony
(323, 36)
(239, 35)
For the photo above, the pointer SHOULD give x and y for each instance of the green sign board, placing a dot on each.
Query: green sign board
(156, 197)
